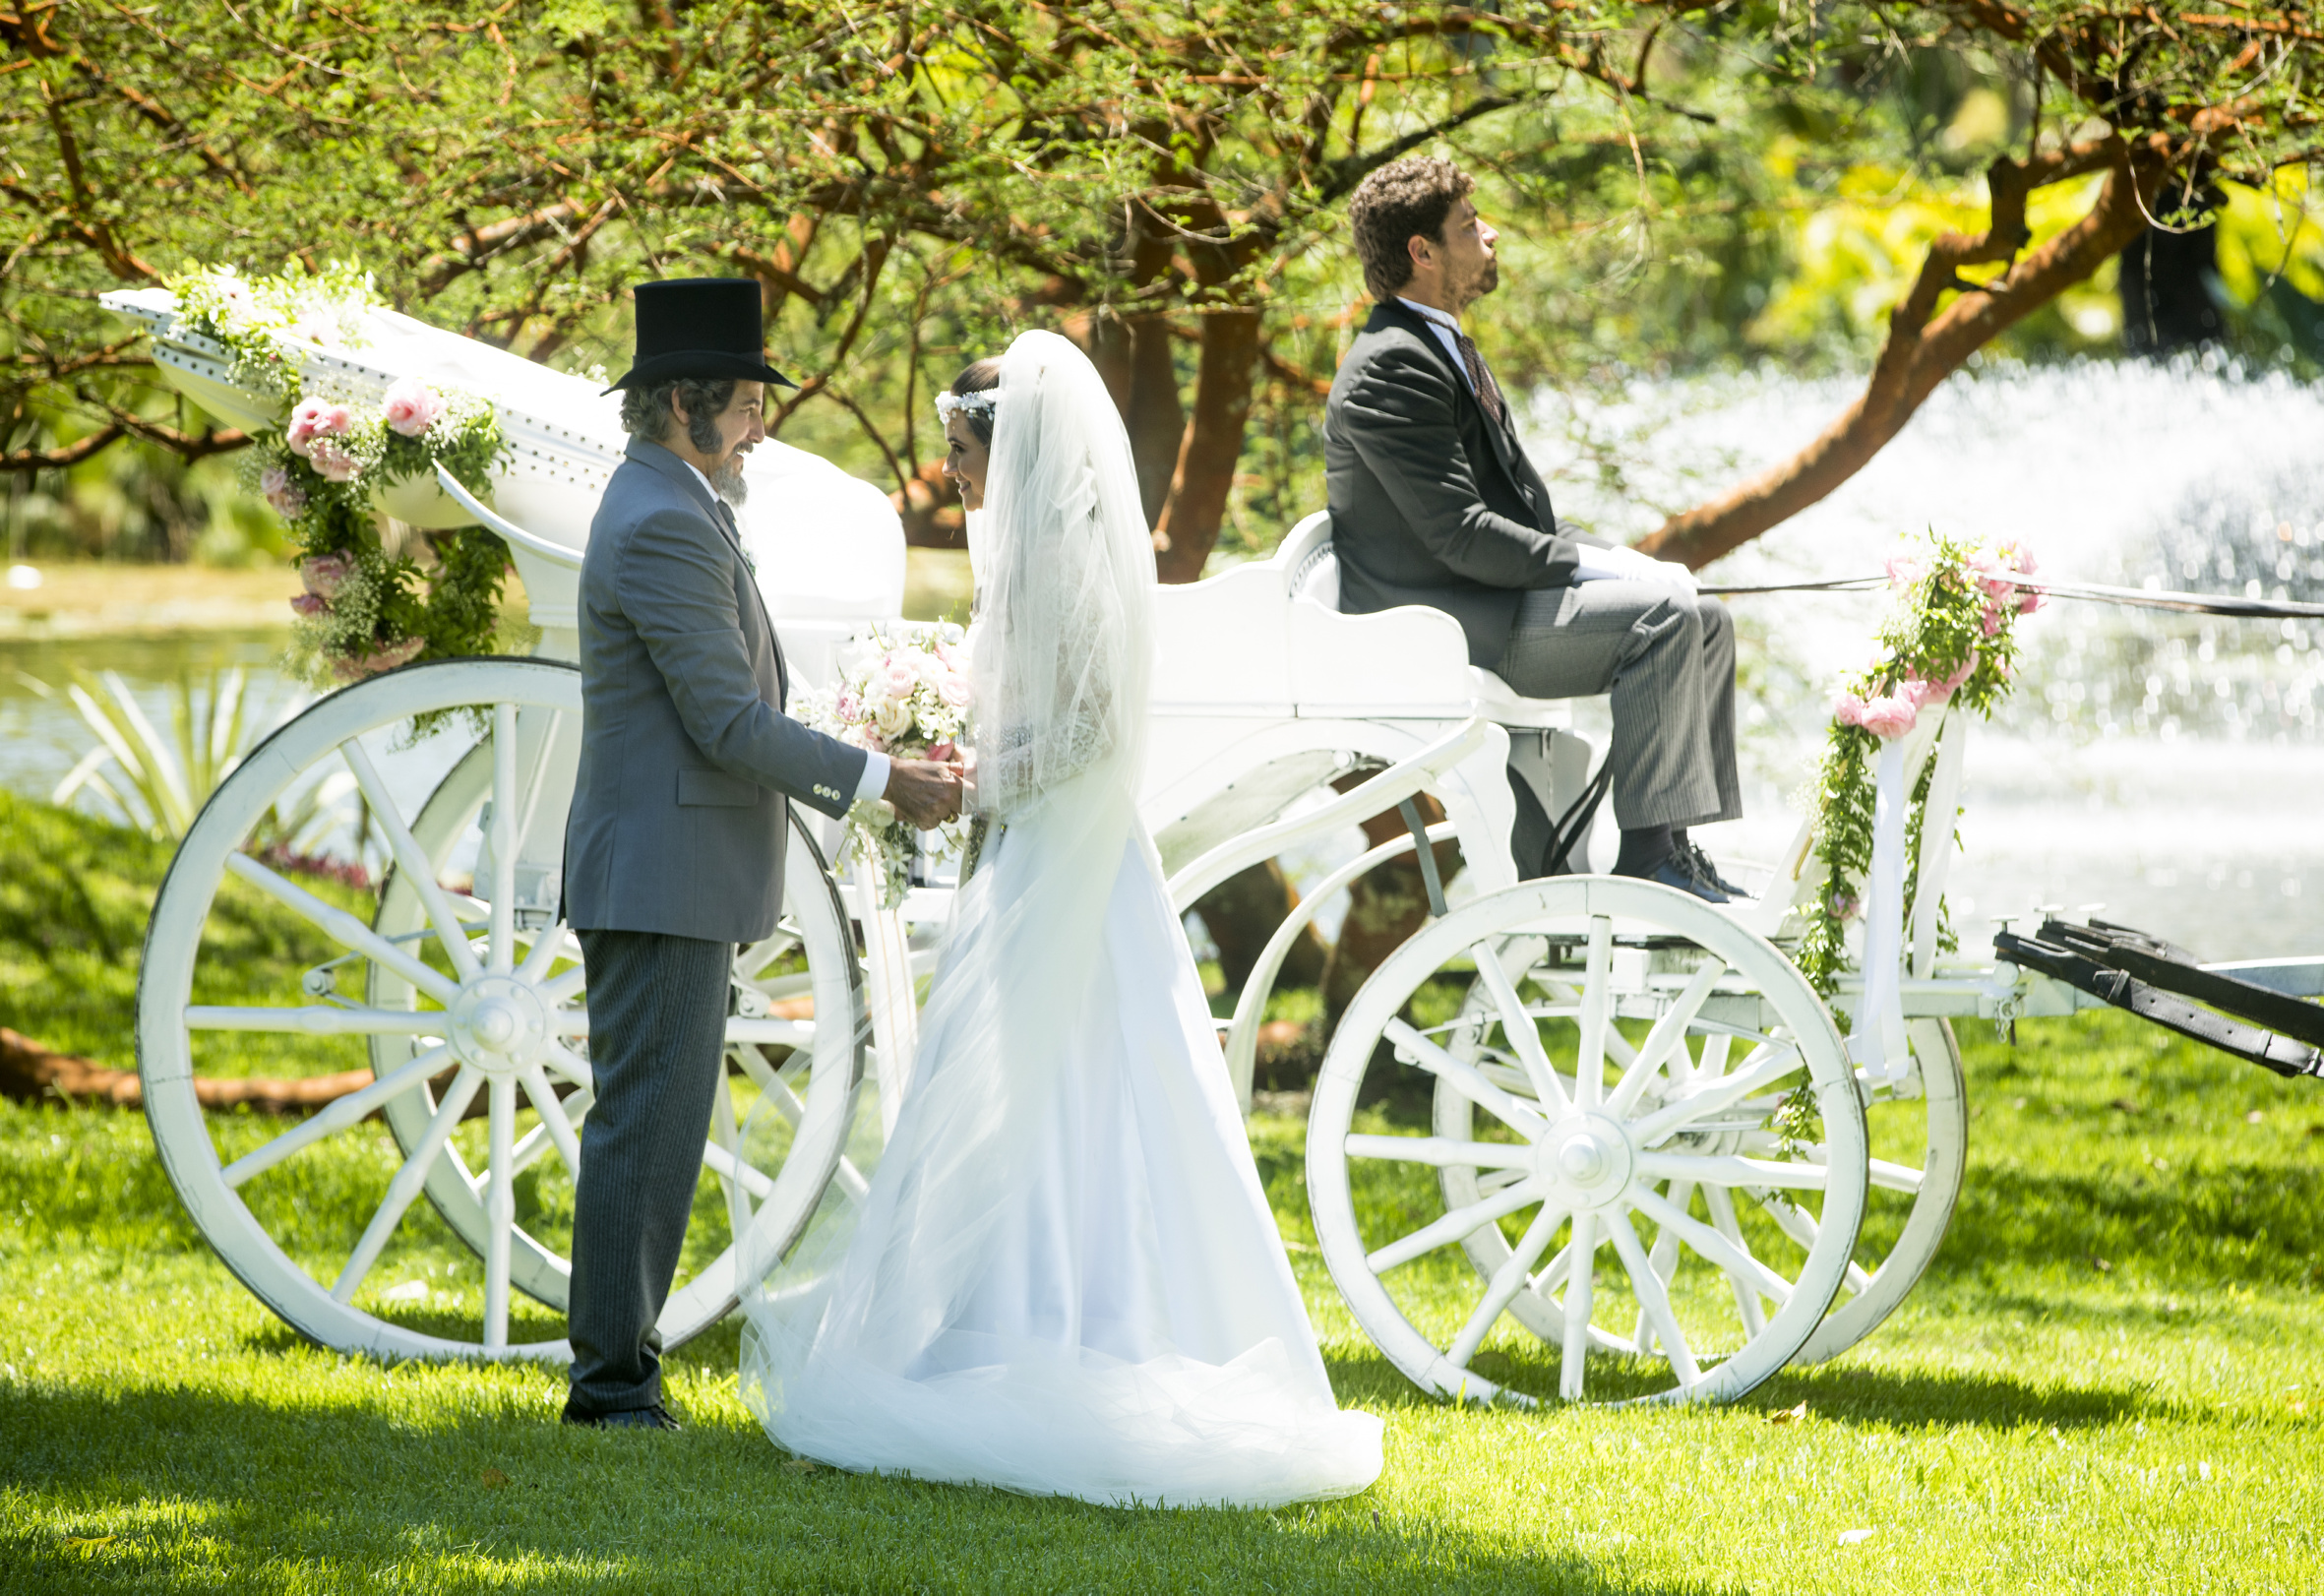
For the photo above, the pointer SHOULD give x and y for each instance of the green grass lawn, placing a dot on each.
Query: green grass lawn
(2112, 1380)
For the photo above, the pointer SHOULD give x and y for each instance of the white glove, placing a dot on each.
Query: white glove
(1628, 565)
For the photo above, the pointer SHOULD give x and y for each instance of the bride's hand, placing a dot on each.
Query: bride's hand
(925, 793)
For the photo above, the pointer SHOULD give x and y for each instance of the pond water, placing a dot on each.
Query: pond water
(2168, 766)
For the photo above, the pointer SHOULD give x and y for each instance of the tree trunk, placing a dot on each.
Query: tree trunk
(2165, 286)
(1924, 348)
(1187, 530)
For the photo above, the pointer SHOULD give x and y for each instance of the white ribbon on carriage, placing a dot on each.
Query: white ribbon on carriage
(1065, 1278)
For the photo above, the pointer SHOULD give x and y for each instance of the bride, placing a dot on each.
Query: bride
(1065, 1278)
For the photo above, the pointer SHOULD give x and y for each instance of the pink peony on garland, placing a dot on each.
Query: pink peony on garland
(1948, 640)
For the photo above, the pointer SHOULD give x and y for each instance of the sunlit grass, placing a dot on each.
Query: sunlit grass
(2112, 1381)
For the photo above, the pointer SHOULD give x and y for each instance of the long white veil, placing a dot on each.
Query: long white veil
(1060, 654)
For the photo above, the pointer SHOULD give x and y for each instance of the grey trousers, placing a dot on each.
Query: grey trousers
(658, 1041)
(1669, 664)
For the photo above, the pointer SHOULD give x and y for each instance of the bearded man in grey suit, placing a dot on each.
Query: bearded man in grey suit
(681, 814)
(1433, 501)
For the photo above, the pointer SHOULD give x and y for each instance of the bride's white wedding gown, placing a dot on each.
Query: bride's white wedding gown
(1065, 1278)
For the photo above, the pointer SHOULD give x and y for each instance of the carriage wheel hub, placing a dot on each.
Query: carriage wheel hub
(498, 1025)
(1586, 1160)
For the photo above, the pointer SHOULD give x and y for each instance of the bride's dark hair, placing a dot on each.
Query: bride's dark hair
(982, 377)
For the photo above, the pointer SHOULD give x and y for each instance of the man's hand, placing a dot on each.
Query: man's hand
(924, 792)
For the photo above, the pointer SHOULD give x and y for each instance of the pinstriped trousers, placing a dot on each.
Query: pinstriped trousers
(657, 1040)
(1669, 661)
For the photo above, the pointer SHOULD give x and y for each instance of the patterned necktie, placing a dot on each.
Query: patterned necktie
(1479, 377)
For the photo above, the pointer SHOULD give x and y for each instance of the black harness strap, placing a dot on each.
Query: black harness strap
(1427, 857)
(2175, 969)
(2282, 1054)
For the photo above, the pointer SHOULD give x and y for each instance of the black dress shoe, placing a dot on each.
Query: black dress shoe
(1675, 871)
(655, 1417)
(1709, 872)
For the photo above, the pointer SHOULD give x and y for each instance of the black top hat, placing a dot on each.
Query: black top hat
(700, 327)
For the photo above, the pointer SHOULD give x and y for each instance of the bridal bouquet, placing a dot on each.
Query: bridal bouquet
(905, 694)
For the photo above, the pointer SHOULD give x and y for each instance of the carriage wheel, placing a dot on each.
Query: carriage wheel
(452, 997)
(1718, 1168)
(1919, 1132)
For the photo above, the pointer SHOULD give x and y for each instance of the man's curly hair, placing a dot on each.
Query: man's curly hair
(1401, 199)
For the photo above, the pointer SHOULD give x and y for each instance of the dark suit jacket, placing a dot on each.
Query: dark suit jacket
(681, 812)
(1432, 503)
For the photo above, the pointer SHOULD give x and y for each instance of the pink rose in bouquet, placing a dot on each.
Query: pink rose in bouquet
(1904, 570)
(375, 660)
(953, 689)
(286, 496)
(412, 407)
(326, 574)
(309, 604)
(315, 419)
(332, 462)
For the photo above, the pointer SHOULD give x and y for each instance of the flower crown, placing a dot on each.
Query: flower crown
(978, 404)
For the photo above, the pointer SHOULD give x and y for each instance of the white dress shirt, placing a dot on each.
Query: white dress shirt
(873, 784)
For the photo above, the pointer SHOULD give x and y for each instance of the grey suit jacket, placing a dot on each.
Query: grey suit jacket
(681, 810)
(1432, 501)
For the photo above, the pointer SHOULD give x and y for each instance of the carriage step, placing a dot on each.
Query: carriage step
(2145, 975)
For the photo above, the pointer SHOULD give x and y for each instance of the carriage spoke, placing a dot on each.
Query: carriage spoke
(1726, 1251)
(343, 927)
(1465, 1080)
(1519, 1028)
(1761, 1068)
(552, 1122)
(318, 1019)
(1597, 1004)
(565, 985)
(1574, 1354)
(537, 1141)
(1507, 1282)
(406, 1183)
(572, 1065)
(543, 952)
(337, 1117)
(1747, 1297)
(500, 1212)
(501, 949)
(1896, 1177)
(1654, 1302)
(723, 1164)
(412, 860)
(723, 1136)
(1709, 1066)
(1441, 1151)
(1664, 1259)
(787, 1103)
(1800, 1226)
(1617, 1046)
(1452, 1227)
(1666, 1041)
(1728, 1169)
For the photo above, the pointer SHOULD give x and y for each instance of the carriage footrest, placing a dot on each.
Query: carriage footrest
(2077, 967)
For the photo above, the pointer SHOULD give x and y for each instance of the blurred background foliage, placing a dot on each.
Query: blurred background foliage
(1678, 187)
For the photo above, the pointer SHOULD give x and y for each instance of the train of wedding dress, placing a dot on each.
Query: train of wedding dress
(1065, 1278)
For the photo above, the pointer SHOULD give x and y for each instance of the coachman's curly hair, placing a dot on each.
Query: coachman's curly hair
(1403, 198)
(647, 412)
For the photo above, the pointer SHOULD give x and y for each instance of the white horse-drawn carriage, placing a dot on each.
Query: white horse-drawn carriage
(1550, 1072)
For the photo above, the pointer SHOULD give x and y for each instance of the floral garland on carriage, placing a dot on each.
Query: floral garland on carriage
(377, 595)
(1951, 638)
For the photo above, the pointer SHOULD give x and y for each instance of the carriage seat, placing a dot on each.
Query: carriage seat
(1313, 573)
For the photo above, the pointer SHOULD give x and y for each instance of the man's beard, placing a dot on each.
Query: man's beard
(1486, 281)
(727, 480)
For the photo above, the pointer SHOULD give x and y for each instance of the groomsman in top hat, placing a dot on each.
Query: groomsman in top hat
(1433, 501)
(681, 812)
